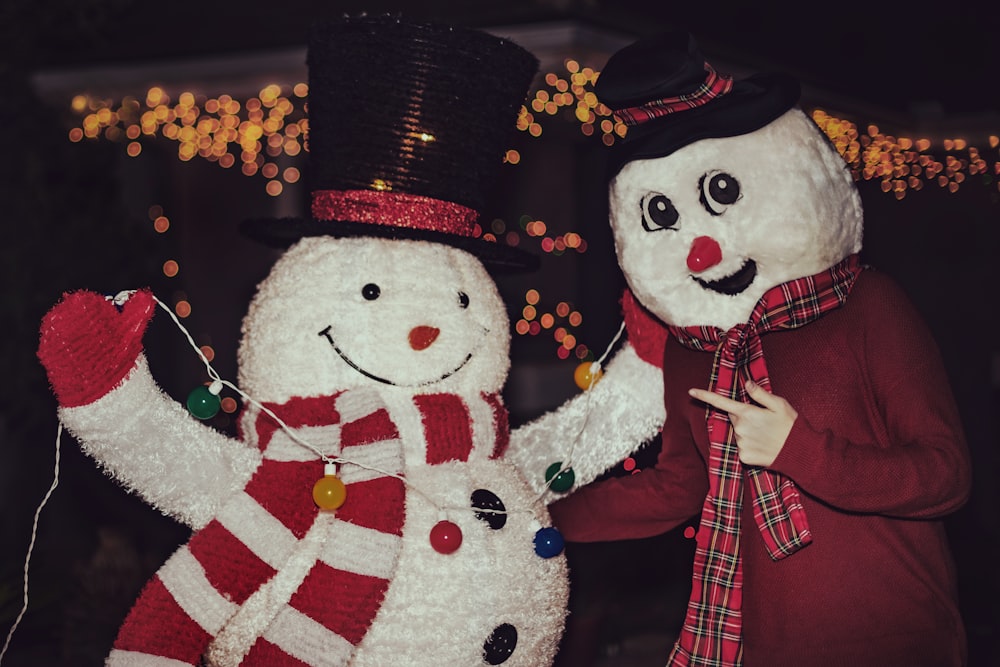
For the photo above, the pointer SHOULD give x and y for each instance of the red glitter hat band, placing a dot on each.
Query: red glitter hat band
(715, 85)
(394, 209)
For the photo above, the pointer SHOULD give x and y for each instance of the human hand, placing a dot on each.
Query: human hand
(761, 430)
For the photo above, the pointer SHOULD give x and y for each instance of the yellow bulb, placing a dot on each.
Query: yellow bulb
(329, 492)
(583, 376)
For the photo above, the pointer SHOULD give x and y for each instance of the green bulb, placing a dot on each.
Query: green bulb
(560, 482)
(202, 403)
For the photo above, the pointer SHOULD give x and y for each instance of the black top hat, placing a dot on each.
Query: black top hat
(668, 96)
(408, 124)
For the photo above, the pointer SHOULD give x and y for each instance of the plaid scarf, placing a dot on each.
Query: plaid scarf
(712, 631)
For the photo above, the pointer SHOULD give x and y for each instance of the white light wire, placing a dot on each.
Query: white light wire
(31, 543)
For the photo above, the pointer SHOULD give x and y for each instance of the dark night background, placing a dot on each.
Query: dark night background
(73, 216)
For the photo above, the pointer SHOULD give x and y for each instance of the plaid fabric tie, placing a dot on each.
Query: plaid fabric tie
(712, 631)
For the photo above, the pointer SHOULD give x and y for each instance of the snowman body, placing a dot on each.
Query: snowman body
(388, 357)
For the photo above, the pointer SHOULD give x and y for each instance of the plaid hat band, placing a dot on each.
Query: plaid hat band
(715, 85)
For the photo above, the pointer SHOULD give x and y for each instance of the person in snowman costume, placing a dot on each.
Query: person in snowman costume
(366, 516)
(808, 414)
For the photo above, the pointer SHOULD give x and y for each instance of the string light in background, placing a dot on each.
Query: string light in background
(255, 132)
(181, 304)
(903, 164)
(252, 133)
(273, 123)
(559, 323)
(572, 94)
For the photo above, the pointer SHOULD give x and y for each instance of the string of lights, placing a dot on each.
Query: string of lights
(255, 132)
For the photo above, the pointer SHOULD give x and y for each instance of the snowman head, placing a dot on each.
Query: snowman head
(338, 314)
(722, 190)
(383, 283)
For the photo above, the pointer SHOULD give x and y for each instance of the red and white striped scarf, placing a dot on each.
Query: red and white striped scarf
(712, 630)
(201, 589)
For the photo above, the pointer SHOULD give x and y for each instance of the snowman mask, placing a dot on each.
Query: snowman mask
(343, 313)
(705, 231)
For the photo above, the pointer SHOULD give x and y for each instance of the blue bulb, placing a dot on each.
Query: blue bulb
(549, 542)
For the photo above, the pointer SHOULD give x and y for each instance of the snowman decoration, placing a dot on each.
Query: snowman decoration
(367, 515)
(826, 446)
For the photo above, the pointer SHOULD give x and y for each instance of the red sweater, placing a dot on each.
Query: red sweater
(879, 456)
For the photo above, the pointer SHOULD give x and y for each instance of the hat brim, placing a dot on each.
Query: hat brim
(282, 233)
(750, 105)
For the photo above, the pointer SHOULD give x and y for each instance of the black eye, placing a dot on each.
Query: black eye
(658, 212)
(370, 291)
(463, 299)
(719, 190)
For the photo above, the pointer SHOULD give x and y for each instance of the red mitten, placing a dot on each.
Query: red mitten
(89, 344)
(646, 333)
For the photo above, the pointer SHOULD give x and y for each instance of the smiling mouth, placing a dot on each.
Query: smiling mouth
(350, 362)
(734, 283)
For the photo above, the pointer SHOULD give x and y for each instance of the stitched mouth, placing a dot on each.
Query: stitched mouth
(734, 283)
(368, 374)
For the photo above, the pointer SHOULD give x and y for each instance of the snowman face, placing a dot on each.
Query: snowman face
(336, 314)
(704, 232)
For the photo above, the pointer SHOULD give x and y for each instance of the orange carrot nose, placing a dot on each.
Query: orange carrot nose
(421, 337)
(704, 254)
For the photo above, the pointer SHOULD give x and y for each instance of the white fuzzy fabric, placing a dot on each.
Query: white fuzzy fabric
(444, 615)
(154, 447)
(601, 427)
(134, 659)
(319, 283)
(440, 608)
(799, 213)
(259, 611)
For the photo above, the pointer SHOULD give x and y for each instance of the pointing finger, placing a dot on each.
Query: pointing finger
(715, 400)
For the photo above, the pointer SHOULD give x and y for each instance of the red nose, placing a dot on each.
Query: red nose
(704, 254)
(421, 337)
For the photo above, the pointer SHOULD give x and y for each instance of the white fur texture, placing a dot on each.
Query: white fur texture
(798, 213)
(601, 426)
(150, 444)
(440, 609)
(319, 283)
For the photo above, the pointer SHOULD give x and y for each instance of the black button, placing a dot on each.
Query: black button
(487, 500)
(500, 644)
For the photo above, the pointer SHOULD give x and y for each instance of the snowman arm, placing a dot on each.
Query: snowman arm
(598, 428)
(153, 447)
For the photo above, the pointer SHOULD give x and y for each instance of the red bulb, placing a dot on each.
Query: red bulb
(446, 537)
(704, 254)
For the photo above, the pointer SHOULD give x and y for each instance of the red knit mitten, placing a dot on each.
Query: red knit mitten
(646, 332)
(89, 344)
